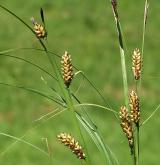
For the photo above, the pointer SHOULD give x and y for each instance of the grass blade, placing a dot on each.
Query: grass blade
(143, 35)
(152, 114)
(23, 141)
(31, 63)
(33, 91)
(96, 137)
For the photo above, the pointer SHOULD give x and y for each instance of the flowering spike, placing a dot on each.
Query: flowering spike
(39, 30)
(126, 125)
(136, 64)
(135, 109)
(67, 69)
(72, 144)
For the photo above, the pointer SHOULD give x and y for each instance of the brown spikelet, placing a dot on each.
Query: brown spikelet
(39, 29)
(136, 64)
(126, 125)
(72, 144)
(114, 6)
(67, 69)
(135, 109)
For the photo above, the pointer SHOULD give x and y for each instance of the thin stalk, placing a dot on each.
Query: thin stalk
(137, 132)
(29, 62)
(124, 74)
(143, 34)
(134, 158)
(135, 151)
(152, 114)
(33, 91)
(123, 63)
(23, 141)
(137, 145)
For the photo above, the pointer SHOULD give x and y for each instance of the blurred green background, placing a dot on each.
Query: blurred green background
(86, 29)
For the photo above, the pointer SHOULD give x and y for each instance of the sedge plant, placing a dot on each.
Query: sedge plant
(63, 73)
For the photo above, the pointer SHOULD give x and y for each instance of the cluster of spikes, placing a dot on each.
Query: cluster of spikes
(128, 118)
(67, 69)
(72, 144)
(126, 125)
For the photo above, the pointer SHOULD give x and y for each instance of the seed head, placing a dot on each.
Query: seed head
(136, 64)
(39, 30)
(67, 69)
(126, 125)
(72, 144)
(135, 109)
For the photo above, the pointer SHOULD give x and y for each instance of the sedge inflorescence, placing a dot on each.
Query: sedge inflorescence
(126, 125)
(72, 144)
(136, 64)
(128, 118)
(39, 29)
(67, 69)
(135, 109)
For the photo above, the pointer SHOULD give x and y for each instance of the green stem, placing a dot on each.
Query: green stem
(134, 159)
(124, 74)
(135, 153)
(143, 36)
(137, 130)
(123, 63)
(71, 108)
(135, 149)
(137, 145)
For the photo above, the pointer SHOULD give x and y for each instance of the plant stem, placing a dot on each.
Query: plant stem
(124, 74)
(120, 40)
(123, 63)
(143, 35)
(137, 145)
(134, 158)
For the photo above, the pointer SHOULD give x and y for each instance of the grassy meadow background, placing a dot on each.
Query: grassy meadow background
(86, 29)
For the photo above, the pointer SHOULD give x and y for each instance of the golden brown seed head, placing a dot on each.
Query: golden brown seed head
(136, 64)
(135, 109)
(72, 144)
(39, 30)
(67, 69)
(126, 125)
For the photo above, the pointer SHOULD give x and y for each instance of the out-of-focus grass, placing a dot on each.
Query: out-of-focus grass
(86, 29)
